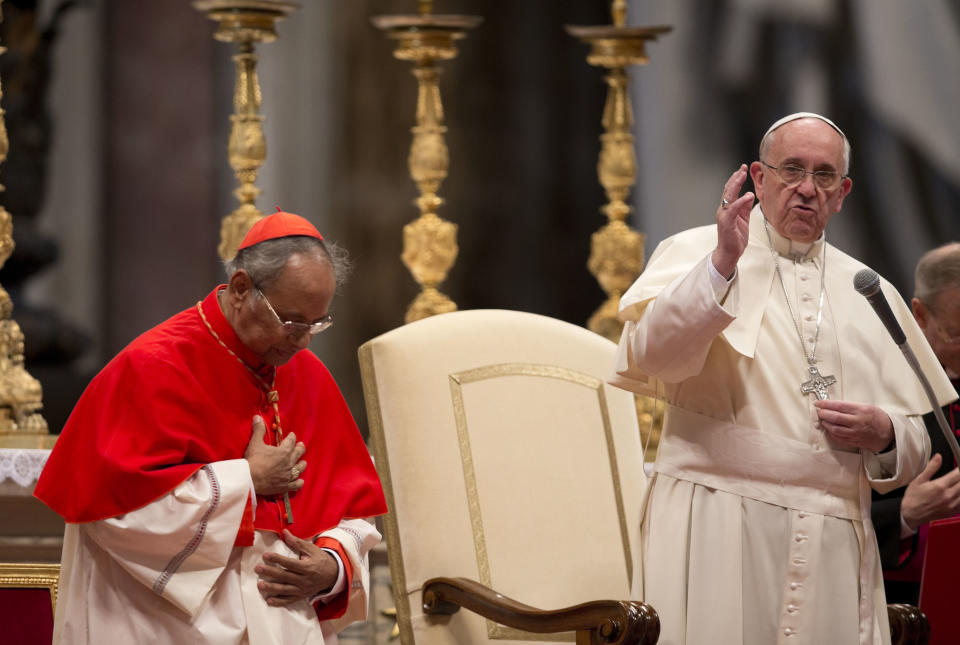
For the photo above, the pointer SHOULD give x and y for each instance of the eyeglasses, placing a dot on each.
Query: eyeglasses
(298, 328)
(792, 175)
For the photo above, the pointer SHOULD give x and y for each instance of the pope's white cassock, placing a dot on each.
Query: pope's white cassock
(171, 570)
(755, 528)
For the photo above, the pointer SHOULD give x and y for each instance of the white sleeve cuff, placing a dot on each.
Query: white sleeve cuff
(339, 585)
(719, 283)
(253, 498)
(905, 530)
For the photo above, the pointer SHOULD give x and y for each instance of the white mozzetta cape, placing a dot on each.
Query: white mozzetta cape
(754, 525)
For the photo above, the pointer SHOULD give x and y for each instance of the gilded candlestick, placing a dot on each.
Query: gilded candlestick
(245, 23)
(429, 242)
(21, 396)
(616, 251)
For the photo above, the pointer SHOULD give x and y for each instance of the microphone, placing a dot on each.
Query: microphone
(867, 284)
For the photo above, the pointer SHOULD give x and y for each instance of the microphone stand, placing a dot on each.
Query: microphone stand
(937, 411)
(867, 283)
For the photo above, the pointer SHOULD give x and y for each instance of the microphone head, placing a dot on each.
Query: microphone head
(866, 282)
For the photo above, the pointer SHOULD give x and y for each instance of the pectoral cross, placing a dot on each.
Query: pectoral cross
(817, 383)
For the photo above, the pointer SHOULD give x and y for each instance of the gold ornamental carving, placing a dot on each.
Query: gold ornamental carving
(245, 23)
(29, 575)
(616, 251)
(21, 396)
(429, 242)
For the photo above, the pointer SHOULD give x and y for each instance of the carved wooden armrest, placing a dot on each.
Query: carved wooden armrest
(601, 622)
(908, 625)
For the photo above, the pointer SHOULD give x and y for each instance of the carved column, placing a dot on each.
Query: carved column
(21, 425)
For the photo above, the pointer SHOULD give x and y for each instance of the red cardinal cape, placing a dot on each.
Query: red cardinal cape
(175, 399)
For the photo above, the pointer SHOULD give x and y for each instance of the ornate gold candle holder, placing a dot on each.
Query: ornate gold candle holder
(616, 251)
(244, 22)
(21, 396)
(429, 242)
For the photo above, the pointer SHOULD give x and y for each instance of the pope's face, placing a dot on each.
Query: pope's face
(940, 322)
(800, 212)
(302, 293)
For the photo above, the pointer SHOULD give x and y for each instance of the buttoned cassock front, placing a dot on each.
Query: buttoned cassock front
(754, 524)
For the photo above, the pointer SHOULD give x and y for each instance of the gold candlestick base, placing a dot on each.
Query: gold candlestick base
(429, 302)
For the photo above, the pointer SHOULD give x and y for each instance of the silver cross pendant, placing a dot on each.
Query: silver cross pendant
(817, 383)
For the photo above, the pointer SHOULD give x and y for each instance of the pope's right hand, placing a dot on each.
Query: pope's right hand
(272, 467)
(733, 224)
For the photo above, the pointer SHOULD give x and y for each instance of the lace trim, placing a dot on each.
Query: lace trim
(23, 466)
(352, 533)
(192, 545)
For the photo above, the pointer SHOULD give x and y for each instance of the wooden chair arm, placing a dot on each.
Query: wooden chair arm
(601, 622)
(908, 625)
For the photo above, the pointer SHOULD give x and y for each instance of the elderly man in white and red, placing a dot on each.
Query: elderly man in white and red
(786, 402)
(212, 478)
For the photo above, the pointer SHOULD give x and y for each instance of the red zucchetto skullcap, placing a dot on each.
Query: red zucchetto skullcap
(279, 224)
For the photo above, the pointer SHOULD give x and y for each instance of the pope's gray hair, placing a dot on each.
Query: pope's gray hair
(937, 270)
(263, 262)
(767, 141)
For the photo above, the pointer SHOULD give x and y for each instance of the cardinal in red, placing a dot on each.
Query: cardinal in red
(214, 483)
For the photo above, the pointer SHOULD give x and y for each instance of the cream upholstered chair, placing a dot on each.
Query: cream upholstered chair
(509, 464)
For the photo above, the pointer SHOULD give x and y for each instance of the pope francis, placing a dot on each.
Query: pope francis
(785, 402)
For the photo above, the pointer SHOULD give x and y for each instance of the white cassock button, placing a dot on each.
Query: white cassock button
(804, 277)
(801, 515)
(808, 317)
(795, 585)
(792, 608)
(789, 631)
(800, 537)
(805, 297)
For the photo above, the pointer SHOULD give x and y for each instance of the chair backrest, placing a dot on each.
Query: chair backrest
(506, 459)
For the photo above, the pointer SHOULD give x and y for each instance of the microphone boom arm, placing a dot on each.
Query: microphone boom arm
(937, 411)
(867, 284)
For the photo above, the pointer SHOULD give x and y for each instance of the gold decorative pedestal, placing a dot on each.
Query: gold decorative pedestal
(616, 251)
(429, 242)
(244, 22)
(21, 424)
